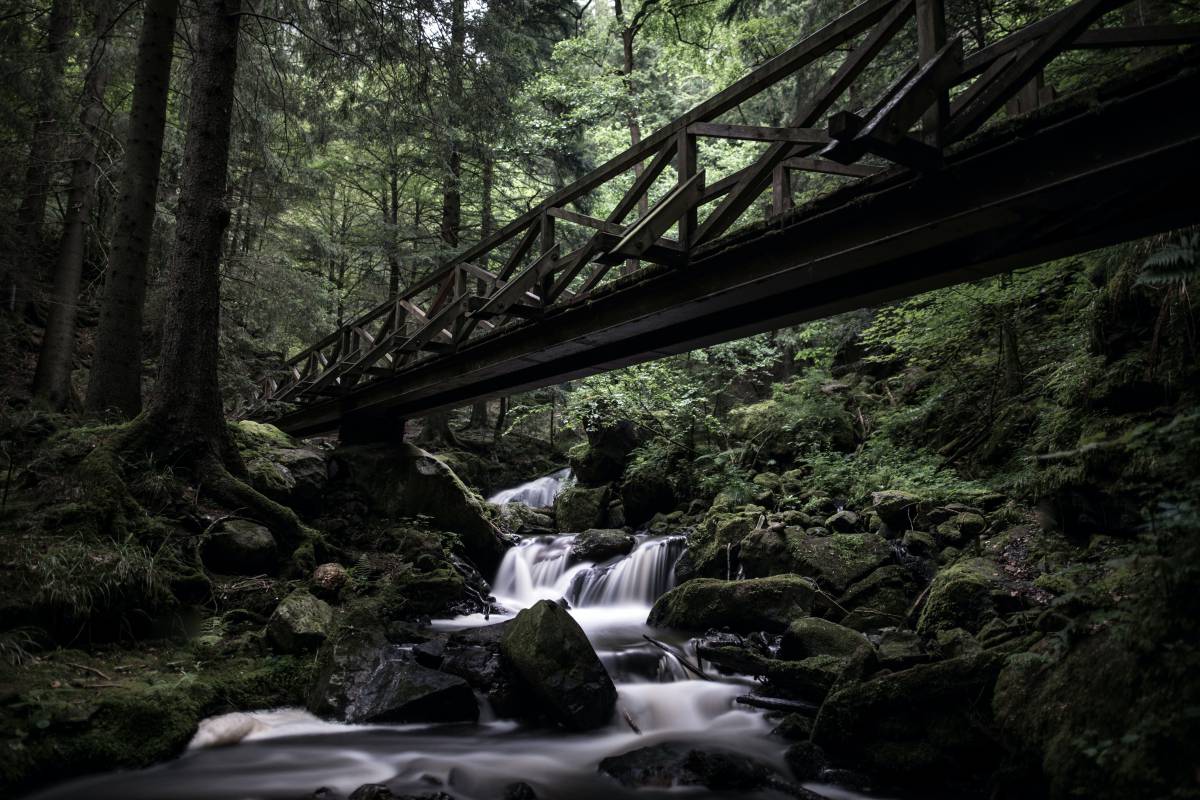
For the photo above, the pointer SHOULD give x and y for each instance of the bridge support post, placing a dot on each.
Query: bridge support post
(371, 426)
(931, 38)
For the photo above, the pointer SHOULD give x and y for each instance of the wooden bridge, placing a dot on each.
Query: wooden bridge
(933, 197)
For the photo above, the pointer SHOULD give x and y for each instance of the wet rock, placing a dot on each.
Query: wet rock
(880, 600)
(559, 667)
(372, 791)
(578, 508)
(601, 544)
(811, 636)
(241, 547)
(519, 791)
(842, 522)
(732, 653)
(954, 643)
(714, 546)
(299, 623)
(674, 764)
(362, 677)
(961, 596)
(806, 760)
(328, 579)
(795, 727)
(811, 678)
(522, 520)
(896, 509)
(925, 726)
(474, 655)
(743, 606)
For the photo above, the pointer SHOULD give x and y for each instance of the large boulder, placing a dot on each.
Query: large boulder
(962, 595)
(405, 481)
(670, 764)
(603, 458)
(474, 655)
(714, 547)
(811, 636)
(834, 562)
(601, 544)
(578, 508)
(241, 547)
(757, 604)
(926, 726)
(362, 677)
(557, 664)
(960, 529)
(280, 467)
(299, 623)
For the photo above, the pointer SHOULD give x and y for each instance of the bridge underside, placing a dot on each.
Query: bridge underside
(1082, 173)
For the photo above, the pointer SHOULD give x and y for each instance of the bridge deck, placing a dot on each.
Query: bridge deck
(1100, 167)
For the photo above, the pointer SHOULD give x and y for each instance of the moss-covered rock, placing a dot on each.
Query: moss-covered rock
(714, 547)
(842, 522)
(880, 600)
(601, 544)
(603, 457)
(927, 727)
(241, 547)
(300, 623)
(558, 665)
(812, 636)
(745, 606)
(670, 764)
(405, 481)
(919, 543)
(578, 508)
(896, 509)
(960, 529)
(961, 596)
(280, 467)
(53, 729)
(835, 561)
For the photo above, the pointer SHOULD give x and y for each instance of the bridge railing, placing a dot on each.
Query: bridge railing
(942, 97)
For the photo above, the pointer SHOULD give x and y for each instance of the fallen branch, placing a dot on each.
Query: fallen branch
(86, 668)
(778, 704)
(682, 659)
(629, 721)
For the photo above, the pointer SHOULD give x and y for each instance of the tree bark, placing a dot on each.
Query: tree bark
(187, 397)
(45, 127)
(52, 379)
(116, 378)
(487, 223)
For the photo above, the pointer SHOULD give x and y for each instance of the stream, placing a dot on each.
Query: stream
(289, 753)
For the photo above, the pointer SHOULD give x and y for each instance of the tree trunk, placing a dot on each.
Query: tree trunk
(45, 127)
(393, 220)
(187, 397)
(52, 379)
(116, 377)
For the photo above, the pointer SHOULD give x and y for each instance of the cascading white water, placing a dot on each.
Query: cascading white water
(537, 493)
(288, 753)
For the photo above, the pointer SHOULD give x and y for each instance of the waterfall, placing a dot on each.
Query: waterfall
(542, 568)
(537, 493)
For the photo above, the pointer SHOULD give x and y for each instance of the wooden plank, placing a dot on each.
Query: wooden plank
(756, 175)
(1138, 36)
(428, 333)
(832, 167)
(585, 221)
(994, 70)
(758, 133)
(661, 217)
(781, 189)
(514, 291)
(886, 133)
(1082, 14)
(518, 254)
